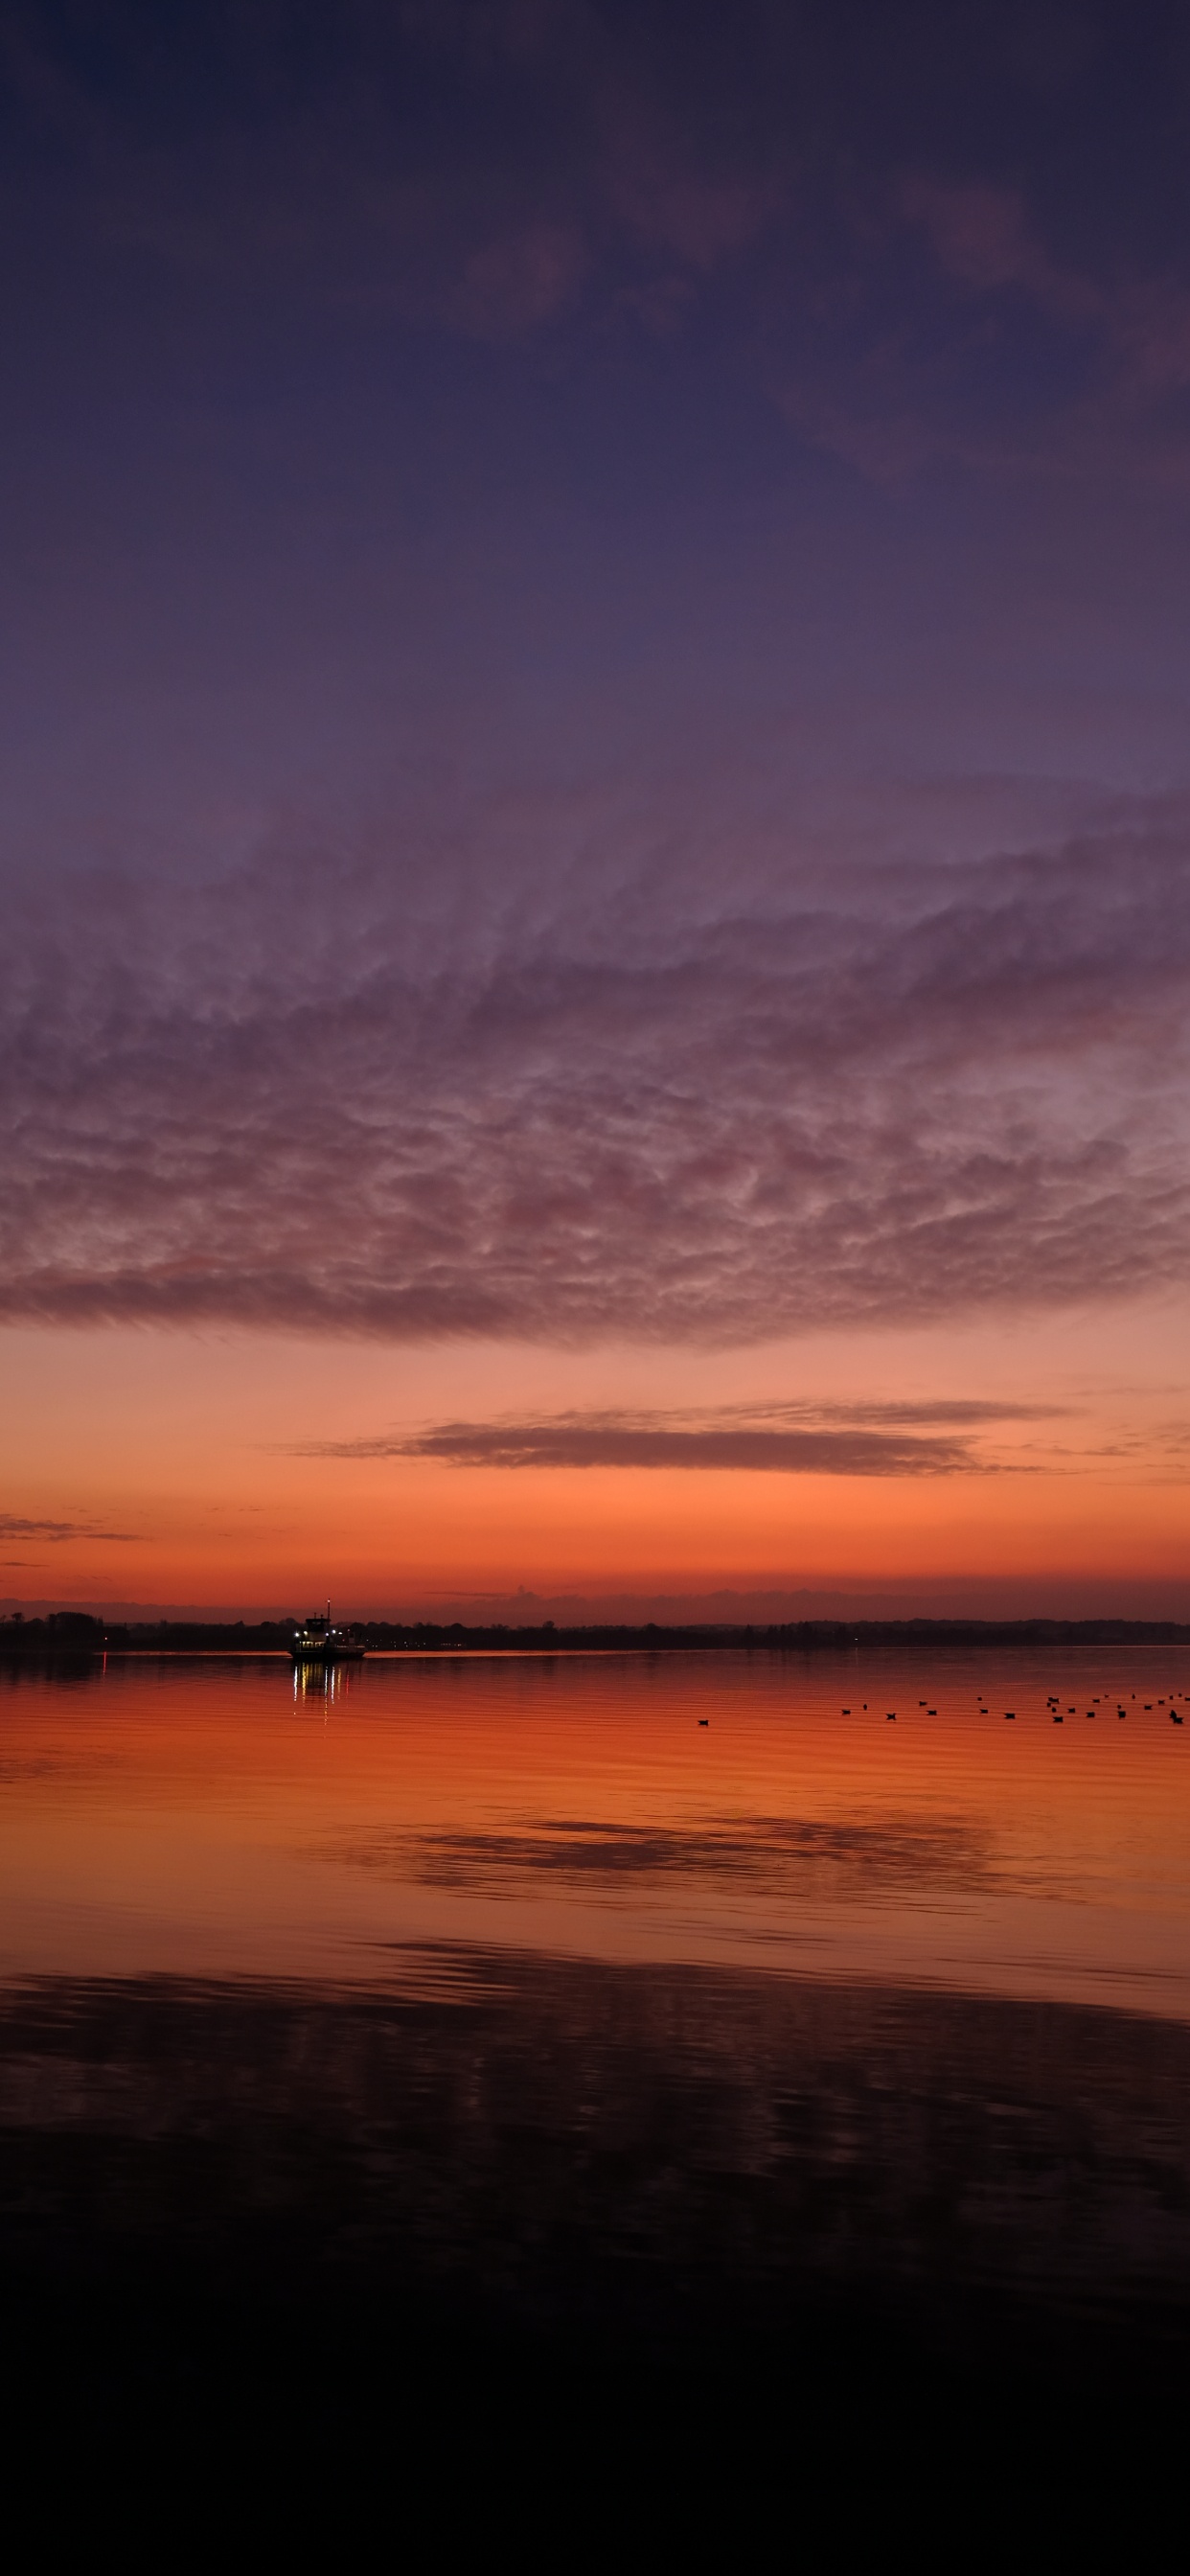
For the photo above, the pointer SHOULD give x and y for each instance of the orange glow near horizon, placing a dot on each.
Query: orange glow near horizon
(154, 1467)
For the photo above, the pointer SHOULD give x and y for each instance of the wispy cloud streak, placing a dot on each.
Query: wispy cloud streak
(13, 1526)
(781, 1439)
(611, 1444)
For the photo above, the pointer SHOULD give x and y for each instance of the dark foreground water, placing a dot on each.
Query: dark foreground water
(586, 2061)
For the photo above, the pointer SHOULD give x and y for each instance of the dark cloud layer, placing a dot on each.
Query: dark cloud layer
(548, 1444)
(788, 1439)
(602, 1099)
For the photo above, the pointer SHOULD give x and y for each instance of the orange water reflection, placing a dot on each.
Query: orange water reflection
(212, 1818)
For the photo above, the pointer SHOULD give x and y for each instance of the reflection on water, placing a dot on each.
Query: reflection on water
(784, 1857)
(516, 1982)
(571, 2146)
(206, 1818)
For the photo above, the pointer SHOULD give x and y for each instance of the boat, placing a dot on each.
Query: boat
(317, 1642)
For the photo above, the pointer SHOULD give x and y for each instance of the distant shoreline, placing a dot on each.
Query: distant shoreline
(74, 1634)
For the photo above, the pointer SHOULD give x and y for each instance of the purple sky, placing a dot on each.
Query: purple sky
(594, 737)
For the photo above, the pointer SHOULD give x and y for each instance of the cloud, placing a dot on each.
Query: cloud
(608, 1443)
(514, 284)
(782, 1439)
(495, 171)
(647, 1091)
(983, 238)
(685, 204)
(1133, 322)
(491, 1091)
(463, 167)
(11, 1526)
(965, 1411)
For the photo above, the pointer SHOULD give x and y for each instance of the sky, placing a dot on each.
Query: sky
(594, 793)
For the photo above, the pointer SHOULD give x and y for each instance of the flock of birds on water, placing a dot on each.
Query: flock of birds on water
(1053, 1704)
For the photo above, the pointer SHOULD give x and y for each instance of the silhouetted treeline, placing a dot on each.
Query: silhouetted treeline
(800, 1636)
(75, 1632)
(71, 1631)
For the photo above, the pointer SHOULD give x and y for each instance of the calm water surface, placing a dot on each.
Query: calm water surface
(219, 1819)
